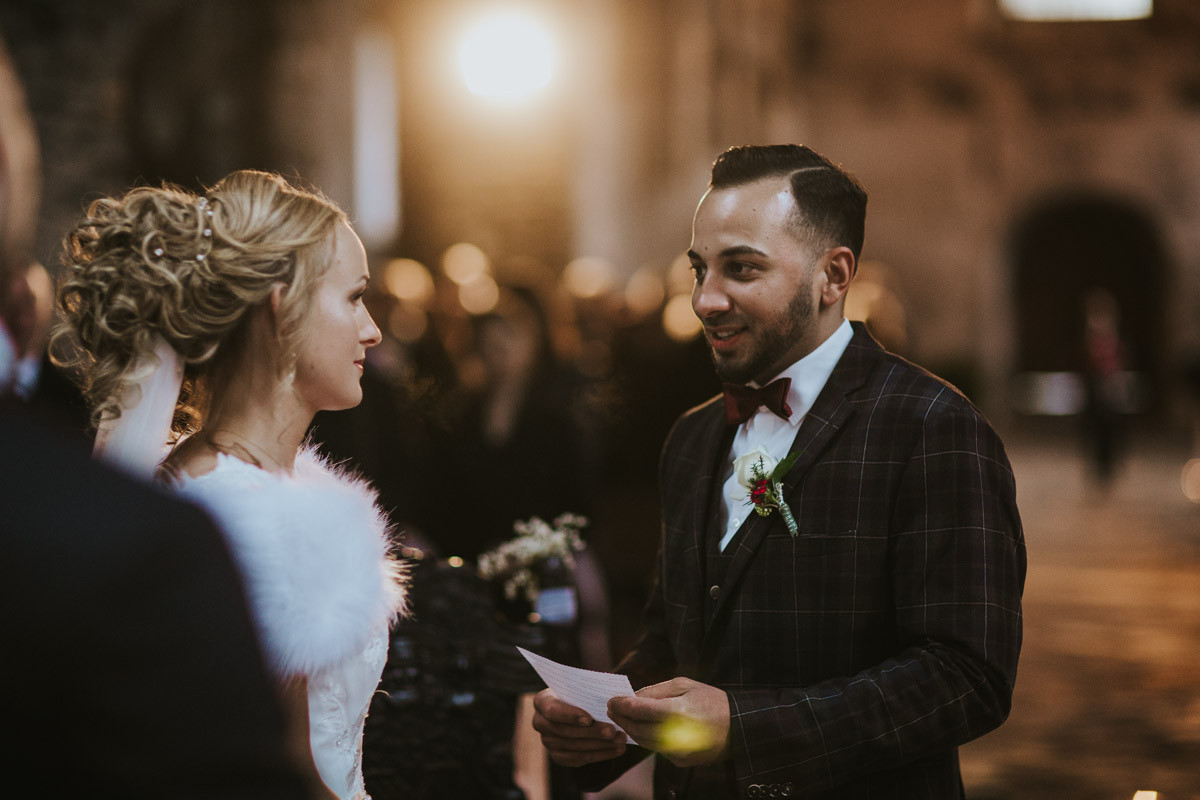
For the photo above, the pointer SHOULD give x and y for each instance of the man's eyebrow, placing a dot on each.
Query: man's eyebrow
(729, 252)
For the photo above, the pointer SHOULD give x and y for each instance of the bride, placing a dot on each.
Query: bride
(220, 324)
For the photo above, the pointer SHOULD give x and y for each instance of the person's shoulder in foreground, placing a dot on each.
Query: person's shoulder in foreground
(133, 670)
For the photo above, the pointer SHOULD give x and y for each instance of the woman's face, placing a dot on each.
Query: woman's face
(329, 364)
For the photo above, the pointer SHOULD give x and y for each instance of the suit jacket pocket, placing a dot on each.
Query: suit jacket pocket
(807, 544)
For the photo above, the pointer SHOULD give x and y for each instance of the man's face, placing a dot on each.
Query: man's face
(754, 288)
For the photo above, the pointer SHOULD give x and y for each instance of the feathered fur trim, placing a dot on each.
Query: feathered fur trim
(313, 549)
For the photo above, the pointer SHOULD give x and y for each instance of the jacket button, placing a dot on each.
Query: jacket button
(714, 592)
(754, 791)
(671, 794)
(786, 790)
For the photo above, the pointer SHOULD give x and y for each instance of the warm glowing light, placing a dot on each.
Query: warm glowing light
(683, 736)
(507, 56)
(589, 277)
(407, 322)
(480, 295)
(464, 262)
(454, 561)
(1144, 795)
(376, 140)
(1190, 480)
(679, 321)
(1077, 10)
(408, 280)
(645, 292)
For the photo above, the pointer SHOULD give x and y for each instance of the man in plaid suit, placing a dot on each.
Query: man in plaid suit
(847, 655)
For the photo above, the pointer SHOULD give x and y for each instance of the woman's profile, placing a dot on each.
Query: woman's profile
(218, 325)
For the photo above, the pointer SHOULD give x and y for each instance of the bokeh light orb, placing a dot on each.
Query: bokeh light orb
(644, 292)
(1190, 480)
(480, 295)
(507, 56)
(589, 277)
(679, 320)
(408, 280)
(464, 262)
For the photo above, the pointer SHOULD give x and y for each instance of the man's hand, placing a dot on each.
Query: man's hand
(684, 720)
(571, 736)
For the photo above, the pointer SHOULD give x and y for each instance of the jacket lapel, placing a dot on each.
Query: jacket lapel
(712, 446)
(821, 425)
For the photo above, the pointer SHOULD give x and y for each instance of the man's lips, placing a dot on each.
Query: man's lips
(359, 363)
(724, 338)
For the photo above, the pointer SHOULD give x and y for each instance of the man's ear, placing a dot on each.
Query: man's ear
(838, 270)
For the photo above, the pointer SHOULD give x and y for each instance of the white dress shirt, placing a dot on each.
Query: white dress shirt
(809, 376)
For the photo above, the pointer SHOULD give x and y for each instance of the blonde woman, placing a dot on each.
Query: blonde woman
(219, 325)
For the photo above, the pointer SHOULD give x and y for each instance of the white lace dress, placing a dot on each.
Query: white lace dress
(313, 551)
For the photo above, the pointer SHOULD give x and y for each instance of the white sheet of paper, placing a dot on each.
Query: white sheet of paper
(582, 688)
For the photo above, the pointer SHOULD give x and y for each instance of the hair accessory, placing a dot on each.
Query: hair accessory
(206, 218)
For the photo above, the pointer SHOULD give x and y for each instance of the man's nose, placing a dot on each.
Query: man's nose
(708, 299)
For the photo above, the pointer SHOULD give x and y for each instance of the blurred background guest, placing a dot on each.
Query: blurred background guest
(1107, 385)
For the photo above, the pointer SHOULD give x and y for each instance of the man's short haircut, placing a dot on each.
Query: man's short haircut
(831, 204)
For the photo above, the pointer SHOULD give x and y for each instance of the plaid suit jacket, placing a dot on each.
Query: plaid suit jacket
(858, 655)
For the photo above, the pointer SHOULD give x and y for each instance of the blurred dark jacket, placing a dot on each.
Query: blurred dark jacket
(131, 666)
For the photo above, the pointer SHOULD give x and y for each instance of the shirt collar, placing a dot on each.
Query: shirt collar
(810, 374)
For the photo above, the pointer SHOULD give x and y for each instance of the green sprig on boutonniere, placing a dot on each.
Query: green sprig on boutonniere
(762, 477)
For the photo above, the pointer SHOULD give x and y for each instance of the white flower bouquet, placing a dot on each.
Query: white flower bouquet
(518, 561)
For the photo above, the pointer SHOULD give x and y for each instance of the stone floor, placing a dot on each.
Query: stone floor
(1108, 695)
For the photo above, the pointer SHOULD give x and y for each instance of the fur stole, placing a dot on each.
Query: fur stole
(313, 550)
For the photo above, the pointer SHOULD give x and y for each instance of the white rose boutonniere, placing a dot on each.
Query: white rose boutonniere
(762, 477)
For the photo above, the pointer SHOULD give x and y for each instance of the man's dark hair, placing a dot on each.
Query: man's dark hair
(831, 204)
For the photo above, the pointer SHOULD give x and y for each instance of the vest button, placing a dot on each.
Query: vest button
(714, 592)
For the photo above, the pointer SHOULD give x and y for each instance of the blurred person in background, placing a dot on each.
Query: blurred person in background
(838, 597)
(40, 388)
(512, 447)
(222, 323)
(20, 188)
(1108, 391)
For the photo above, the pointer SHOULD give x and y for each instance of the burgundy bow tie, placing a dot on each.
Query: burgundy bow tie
(742, 401)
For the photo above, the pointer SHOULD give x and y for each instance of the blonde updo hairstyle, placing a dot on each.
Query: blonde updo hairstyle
(132, 271)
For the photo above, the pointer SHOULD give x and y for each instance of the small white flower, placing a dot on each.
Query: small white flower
(743, 466)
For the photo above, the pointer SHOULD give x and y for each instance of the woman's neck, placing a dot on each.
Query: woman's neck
(269, 437)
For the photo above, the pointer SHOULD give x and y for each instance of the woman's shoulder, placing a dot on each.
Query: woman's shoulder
(313, 548)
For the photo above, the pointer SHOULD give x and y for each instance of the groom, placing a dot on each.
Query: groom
(851, 656)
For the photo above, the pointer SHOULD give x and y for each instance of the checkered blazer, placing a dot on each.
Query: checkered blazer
(859, 654)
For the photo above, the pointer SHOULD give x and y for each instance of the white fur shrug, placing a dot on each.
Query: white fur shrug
(313, 551)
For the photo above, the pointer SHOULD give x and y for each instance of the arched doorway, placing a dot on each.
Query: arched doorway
(1064, 250)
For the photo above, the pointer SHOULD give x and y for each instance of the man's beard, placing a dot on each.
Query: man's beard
(777, 337)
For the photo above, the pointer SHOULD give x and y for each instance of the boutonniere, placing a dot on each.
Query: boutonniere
(762, 477)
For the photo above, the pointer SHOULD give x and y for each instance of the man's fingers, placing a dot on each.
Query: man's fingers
(557, 711)
(638, 709)
(601, 732)
(671, 688)
(574, 758)
(577, 745)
